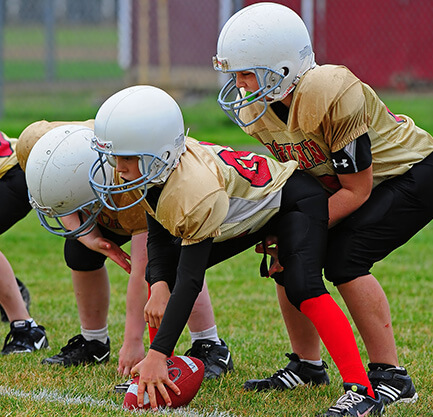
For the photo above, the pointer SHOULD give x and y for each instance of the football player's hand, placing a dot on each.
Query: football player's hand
(112, 251)
(156, 304)
(130, 354)
(153, 373)
(271, 243)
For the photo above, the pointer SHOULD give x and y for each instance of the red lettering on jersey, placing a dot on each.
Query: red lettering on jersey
(316, 152)
(397, 119)
(304, 163)
(280, 152)
(308, 153)
(254, 168)
(330, 182)
(5, 147)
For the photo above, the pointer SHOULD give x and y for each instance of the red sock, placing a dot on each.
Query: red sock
(152, 330)
(337, 335)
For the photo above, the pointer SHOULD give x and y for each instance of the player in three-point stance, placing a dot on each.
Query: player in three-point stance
(204, 204)
(57, 157)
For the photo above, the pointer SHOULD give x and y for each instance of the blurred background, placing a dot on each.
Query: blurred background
(57, 53)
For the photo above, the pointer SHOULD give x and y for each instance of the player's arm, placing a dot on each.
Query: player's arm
(189, 282)
(163, 252)
(353, 165)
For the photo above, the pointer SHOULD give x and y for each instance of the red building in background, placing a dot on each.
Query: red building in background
(386, 43)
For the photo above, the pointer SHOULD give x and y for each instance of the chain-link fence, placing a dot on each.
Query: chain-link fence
(61, 44)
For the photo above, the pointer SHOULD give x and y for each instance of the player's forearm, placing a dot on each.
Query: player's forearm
(189, 282)
(341, 204)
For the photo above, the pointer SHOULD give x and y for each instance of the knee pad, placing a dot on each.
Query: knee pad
(80, 258)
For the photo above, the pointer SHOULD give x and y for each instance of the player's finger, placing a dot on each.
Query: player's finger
(140, 392)
(152, 396)
(275, 267)
(172, 386)
(164, 395)
(151, 321)
(158, 320)
(126, 370)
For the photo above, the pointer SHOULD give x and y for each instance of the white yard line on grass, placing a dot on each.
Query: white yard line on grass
(65, 399)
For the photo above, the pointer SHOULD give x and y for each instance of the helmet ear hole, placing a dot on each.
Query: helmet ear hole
(111, 160)
(285, 71)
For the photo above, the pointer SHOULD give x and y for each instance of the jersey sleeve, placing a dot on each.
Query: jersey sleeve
(330, 101)
(204, 220)
(347, 119)
(194, 202)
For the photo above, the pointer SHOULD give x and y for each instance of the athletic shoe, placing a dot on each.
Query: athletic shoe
(216, 358)
(26, 297)
(80, 351)
(294, 374)
(123, 387)
(355, 402)
(392, 383)
(23, 338)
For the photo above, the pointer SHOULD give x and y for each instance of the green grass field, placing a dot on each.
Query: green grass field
(245, 305)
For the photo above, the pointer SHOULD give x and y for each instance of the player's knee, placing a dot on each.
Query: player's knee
(340, 270)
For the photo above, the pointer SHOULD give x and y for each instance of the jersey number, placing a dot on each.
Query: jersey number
(252, 167)
(5, 147)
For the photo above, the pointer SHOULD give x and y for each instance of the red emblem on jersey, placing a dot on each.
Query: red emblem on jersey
(5, 147)
(254, 168)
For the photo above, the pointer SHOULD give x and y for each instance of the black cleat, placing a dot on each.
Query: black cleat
(294, 374)
(392, 383)
(26, 297)
(355, 402)
(80, 351)
(23, 338)
(216, 358)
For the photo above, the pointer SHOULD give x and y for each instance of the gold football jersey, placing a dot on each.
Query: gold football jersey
(127, 222)
(330, 108)
(218, 192)
(8, 157)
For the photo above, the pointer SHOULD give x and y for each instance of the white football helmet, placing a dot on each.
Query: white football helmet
(57, 175)
(142, 121)
(269, 40)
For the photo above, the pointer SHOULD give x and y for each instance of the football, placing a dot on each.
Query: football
(186, 372)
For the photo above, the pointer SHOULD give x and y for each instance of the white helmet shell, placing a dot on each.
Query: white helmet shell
(270, 40)
(57, 176)
(142, 121)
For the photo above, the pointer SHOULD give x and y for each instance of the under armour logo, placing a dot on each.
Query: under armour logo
(343, 163)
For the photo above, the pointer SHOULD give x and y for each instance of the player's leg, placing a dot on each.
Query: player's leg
(375, 328)
(396, 210)
(10, 296)
(92, 292)
(25, 335)
(132, 350)
(305, 364)
(206, 344)
(301, 230)
(304, 338)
